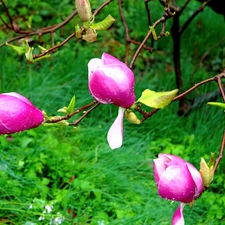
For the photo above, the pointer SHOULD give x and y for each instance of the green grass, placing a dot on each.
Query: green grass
(79, 175)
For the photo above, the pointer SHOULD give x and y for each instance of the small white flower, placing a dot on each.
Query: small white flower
(57, 220)
(48, 208)
(101, 222)
(41, 218)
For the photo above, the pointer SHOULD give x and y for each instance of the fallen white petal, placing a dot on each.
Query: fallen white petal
(178, 218)
(115, 133)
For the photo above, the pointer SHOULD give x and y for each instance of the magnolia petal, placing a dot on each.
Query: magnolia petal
(173, 159)
(197, 179)
(93, 65)
(111, 81)
(17, 114)
(115, 133)
(176, 184)
(20, 97)
(116, 89)
(178, 218)
(109, 59)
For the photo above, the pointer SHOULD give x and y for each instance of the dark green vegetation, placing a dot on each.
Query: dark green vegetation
(75, 172)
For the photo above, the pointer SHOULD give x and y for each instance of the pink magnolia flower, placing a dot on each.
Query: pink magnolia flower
(177, 180)
(17, 113)
(112, 82)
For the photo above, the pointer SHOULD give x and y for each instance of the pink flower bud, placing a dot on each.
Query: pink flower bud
(177, 179)
(84, 10)
(111, 81)
(17, 113)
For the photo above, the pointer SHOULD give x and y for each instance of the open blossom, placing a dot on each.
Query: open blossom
(177, 180)
(112, 82)
(17, 114)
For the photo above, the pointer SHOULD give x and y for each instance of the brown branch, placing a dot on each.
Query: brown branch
(150, 49)
(204, 56)
(184, 6)
(101, 7)
(148, 12)
(56, 119)
(127, 35)
(8, 15)
(84, 115)
(44, 30)
(220, 156)
(54, 47)
(194, 87)
(215, 78)
(140, 48)
(145, 114)
(189, 20)
(6, 24)
(167, 14)
(221, 87)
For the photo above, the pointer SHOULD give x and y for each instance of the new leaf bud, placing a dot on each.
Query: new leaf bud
(206, 172)
(131, 117)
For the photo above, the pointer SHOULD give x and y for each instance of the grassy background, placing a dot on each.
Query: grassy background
(74, 172)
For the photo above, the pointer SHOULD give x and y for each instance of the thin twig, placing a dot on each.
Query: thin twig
(56, 119)
(44, 30)
(6, 24)
(54, 47)
(167, 14)
(190, 19)
(194, 87)
(215, 78)
(127, 35)
(84, 115)
(204, 56)
(221, 87)
(8, 15)
(148, 12)
(101, 7)
(140, 48)
(150, 49)
(146, 115)
(220, 156)
(184, 6)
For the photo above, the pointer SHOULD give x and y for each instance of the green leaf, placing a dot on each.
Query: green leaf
(219, 104)
(71, 106)
(157, 100)
(29, 55)
(42, 57)
(104, 24)
(153, 33)
(17, 49)
(63, 110)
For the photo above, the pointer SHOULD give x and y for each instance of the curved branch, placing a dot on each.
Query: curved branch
(101, 7)
(56, 119)
(220, 156)
(217, 78)
(55, 47)
(189, 20)
(167, 14)
(44, 30)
